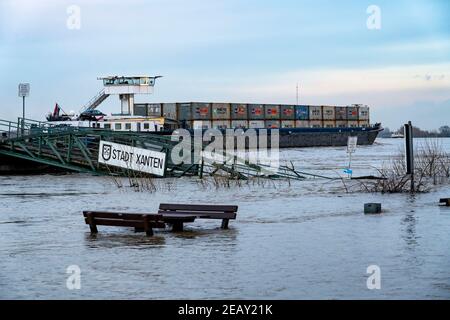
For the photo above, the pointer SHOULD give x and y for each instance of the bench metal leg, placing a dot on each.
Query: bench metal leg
(91, 222)
(177, 226)
(225, 223)
(149, 232)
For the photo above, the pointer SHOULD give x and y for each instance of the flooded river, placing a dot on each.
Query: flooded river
(297, 240)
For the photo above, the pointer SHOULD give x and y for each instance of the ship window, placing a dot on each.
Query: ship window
(107, 126)
(127, 126)
(146, 126)
(118, 126)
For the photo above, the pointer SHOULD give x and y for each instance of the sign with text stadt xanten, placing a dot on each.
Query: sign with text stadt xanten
(136, 159)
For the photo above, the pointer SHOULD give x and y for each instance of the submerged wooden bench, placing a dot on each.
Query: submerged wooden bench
(178, 214)
(445, 201)
(140, 222)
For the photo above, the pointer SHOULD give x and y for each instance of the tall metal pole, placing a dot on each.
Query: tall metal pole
(297, 93)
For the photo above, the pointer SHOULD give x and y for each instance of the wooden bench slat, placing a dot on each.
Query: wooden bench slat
(123, 216)
(193, 207)
(179, 219)
(127, 223)
(202, 215)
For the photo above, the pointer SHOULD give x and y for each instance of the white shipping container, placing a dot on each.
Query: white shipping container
(315, 113)
(352, 124)
(328, 113)
(256, 124)
(329, 124)
(341, 124)
(221, 124)
(363, 123)
(315, 124)
(302, 124)
(287, 124)
(239, 124)
(364, 113)
(201, 124)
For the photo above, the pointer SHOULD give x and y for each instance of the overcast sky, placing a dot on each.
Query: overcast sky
(232, 51)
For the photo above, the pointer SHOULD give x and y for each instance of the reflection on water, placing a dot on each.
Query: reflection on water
(303, 239)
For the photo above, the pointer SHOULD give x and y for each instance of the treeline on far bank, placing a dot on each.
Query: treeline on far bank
(442, 132)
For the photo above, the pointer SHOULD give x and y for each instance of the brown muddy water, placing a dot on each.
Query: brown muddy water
(298, 240)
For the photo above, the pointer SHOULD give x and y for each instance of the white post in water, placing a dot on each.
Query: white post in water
(409, 151)
(351, 148)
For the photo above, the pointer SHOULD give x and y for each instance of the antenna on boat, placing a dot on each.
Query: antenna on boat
(297, 93)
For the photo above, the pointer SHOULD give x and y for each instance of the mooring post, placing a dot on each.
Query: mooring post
(409, 150)
(201, 167)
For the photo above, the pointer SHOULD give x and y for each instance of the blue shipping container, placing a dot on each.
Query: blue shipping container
(301, 113)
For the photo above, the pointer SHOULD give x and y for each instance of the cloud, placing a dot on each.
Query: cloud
(350, 81)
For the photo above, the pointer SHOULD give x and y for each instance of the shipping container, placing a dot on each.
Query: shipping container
(302, 123)
(201, 124)
(363, 123)
(352, 113)
(221, 124)
(341, 124)
(315, 113)
(255, 111)
(239, 124)
(328, 113)
(186, 124)
(239, 111)
(256, 124)
(341, 113)
(315, 124)
(287, 123)
(140, 109)
(184, 111)
(154, 110)
(272, 124)
(201, 111)
(301, 113)
(271, 111)
(329, 123)
(169, 110)
(363, 113)
(352, 124)
(287, 112)
(220, 111)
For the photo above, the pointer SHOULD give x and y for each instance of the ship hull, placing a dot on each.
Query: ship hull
(309, 137)
(326, 137)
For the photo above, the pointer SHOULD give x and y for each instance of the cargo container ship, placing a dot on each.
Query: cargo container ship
(298, 125)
